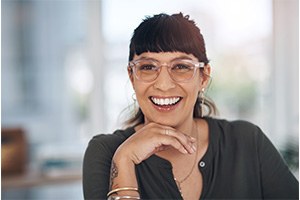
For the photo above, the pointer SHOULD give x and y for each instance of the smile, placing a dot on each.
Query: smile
(165, 101)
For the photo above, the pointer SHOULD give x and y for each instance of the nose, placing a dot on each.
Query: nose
(164, 82)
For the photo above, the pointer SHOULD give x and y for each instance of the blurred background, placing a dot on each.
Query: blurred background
(64, 79)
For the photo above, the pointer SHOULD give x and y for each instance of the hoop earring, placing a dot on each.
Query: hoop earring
(133, 96)
(202, 97)
(135, 107)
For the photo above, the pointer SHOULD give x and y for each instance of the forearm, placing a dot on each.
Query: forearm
(122, 175)
(152, 138)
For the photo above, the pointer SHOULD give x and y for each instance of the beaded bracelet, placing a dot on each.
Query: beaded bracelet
(122, 189)
(122, 197)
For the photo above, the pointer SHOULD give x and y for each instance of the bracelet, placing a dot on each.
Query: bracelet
(122, 189)
(122, 197)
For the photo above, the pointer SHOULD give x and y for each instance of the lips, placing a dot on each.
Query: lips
(165, 103)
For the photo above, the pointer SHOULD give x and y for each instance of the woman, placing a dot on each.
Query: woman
(172, 151)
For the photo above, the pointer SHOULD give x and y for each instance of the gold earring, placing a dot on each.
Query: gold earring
(133, 96)
(202, 97)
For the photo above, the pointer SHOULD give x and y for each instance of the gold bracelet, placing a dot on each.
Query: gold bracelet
(122, 189)
(122, 197)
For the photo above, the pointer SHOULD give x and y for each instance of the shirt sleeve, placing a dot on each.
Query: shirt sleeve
(277, 180)
(96, 169)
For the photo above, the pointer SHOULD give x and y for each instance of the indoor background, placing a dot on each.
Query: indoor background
(64, 79)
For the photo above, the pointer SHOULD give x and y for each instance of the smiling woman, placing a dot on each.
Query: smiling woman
(172, 148)
(189, 53)
(167, 84)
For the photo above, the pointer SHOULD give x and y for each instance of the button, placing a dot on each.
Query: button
(202, 164)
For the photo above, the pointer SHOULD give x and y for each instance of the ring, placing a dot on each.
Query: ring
(167, 131)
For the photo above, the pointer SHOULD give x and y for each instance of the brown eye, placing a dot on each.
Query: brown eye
(182, 67)
(147, 67)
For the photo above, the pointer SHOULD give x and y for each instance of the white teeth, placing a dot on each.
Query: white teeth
(161, 102)
(165, 101)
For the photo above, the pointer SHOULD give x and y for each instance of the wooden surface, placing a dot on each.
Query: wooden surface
(32, 179)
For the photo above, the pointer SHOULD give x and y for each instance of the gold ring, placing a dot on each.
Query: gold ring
(167, 131)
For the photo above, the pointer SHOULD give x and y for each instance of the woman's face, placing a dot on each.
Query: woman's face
(164, 100)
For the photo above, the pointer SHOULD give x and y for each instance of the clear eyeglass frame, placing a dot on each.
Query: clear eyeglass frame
(135, 65)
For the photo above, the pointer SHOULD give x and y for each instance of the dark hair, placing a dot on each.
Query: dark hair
(165, 33)
(170, 33)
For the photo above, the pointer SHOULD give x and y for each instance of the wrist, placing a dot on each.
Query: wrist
(123, 173)
(123, 158)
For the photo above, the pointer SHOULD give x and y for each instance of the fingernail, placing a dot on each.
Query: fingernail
(185, 151)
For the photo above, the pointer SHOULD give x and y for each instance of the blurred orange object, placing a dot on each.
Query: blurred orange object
(13, 151)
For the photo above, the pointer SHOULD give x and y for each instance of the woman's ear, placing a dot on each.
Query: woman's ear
(130, 75)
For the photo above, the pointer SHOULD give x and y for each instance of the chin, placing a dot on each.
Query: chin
(163, 120)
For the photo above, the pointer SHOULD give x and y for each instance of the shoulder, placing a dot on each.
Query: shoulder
(240, 138)
(97, 162)
(108, 143)
(237, 130)
(235, 126)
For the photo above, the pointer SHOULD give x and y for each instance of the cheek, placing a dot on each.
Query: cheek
(140, 91)
(198, 85)
(194, 96)
(194, 92)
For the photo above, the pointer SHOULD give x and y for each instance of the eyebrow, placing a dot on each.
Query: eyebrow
(183, 57)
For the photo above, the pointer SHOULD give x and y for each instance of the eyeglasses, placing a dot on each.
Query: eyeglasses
(180, 70)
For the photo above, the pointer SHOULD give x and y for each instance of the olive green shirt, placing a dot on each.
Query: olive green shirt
(240, 163)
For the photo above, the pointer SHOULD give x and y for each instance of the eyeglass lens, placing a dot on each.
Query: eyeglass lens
(178, 70)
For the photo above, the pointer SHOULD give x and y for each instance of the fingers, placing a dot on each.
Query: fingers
(172, 141)
(167, 136)
(186, 141)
